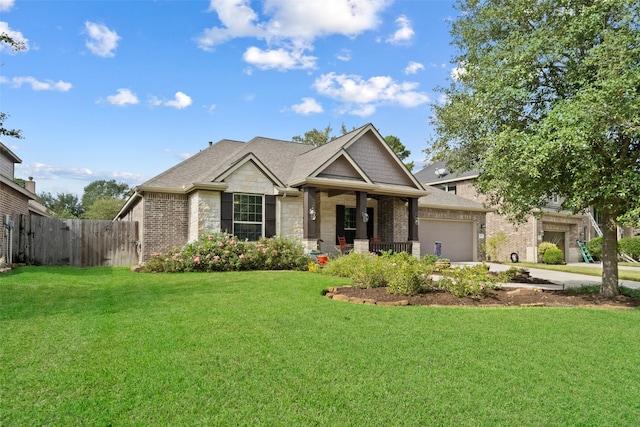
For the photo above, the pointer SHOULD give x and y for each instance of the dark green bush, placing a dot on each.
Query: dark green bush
(553, 256)
(630, 246)
(594, 246)
(542, 248)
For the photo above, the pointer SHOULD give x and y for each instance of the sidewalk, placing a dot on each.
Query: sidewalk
(561, 279)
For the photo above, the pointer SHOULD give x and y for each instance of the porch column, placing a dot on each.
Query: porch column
(361, 215)
(412, 226)
(310, 215)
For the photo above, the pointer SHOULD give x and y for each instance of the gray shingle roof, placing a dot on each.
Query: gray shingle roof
(441, 199)
(437, 172)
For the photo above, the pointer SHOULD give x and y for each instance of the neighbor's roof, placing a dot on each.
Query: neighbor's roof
(4, 149)
(440, 199)
(437, 172)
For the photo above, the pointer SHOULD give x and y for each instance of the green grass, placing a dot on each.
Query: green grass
(625, 274)
(110, 347)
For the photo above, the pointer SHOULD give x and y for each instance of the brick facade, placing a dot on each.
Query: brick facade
(166, 222)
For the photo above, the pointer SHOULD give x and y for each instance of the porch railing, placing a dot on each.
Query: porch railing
(390, 246)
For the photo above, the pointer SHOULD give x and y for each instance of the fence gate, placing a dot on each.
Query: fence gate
(77, 242)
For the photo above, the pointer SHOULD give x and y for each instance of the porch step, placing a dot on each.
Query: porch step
(585, 252)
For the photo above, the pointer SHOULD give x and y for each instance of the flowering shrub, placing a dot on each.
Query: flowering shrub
(223, 252)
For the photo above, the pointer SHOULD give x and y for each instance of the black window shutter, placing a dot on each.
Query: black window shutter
(339, 221)
(270, 216)
(226, 212)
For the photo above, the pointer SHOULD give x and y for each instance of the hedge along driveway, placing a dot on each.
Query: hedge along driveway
(107, 346)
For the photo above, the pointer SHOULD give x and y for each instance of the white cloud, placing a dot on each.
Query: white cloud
(413, 67)
(344, 55)
(43, 171)
(37, 85)
(102, 41)
(366, 95)
(404, 34)
(180, 101)
(15, 35)
(289, 27)
(307, 106)
(123, 97)
(6, 5)
(458, 72)
(279, 59)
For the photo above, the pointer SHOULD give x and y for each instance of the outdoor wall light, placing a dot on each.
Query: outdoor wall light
(312, 213)
(365, 216)
(482, 226)
(417, 220)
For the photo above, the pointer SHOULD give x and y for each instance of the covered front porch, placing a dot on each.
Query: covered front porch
(370, 219)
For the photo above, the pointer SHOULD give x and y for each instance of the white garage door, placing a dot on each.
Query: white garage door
(456, 238)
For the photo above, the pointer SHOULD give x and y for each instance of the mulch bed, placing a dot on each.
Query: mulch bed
(505, 297)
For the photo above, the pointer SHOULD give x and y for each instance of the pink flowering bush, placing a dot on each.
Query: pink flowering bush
(223, 252)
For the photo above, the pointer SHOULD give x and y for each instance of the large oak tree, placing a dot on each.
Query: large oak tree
(545, 101)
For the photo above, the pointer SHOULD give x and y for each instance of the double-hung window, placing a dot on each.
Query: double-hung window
(248, 214)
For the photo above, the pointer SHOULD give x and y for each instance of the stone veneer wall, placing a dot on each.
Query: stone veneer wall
(204, 213)
(289, 214)
(166, 223)
(249, 179)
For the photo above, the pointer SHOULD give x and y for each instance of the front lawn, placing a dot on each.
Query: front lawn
(106, 346)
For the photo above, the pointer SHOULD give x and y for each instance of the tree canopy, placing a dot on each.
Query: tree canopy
(101, 199)
(545, 101)
(14, 45)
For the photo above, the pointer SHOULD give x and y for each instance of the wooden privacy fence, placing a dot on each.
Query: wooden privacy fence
(78, 242)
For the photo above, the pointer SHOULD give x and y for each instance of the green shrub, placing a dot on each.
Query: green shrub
(468, 280)
(542, 248)
(223, 252)
(594, 246)
(366, 270)
(494, 244)
(553, 256)
(630, 246)
(429, 259)
(406, 275)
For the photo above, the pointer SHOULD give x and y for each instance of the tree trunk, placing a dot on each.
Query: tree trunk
(609, 255)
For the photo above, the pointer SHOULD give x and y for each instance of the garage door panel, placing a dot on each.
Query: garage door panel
(456, 238)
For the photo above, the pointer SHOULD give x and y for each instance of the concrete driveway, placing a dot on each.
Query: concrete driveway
(561, 279)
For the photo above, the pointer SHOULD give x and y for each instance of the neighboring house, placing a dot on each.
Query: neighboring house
(353, 186)
(14, 199)
(554, 225)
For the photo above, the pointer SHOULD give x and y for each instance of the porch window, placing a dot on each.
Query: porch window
(248, 212)
(349, 218)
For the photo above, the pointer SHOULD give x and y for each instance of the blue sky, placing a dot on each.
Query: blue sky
(126, 89)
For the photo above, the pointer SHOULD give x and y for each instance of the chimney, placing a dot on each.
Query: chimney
(210, 143)
(30, 185)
